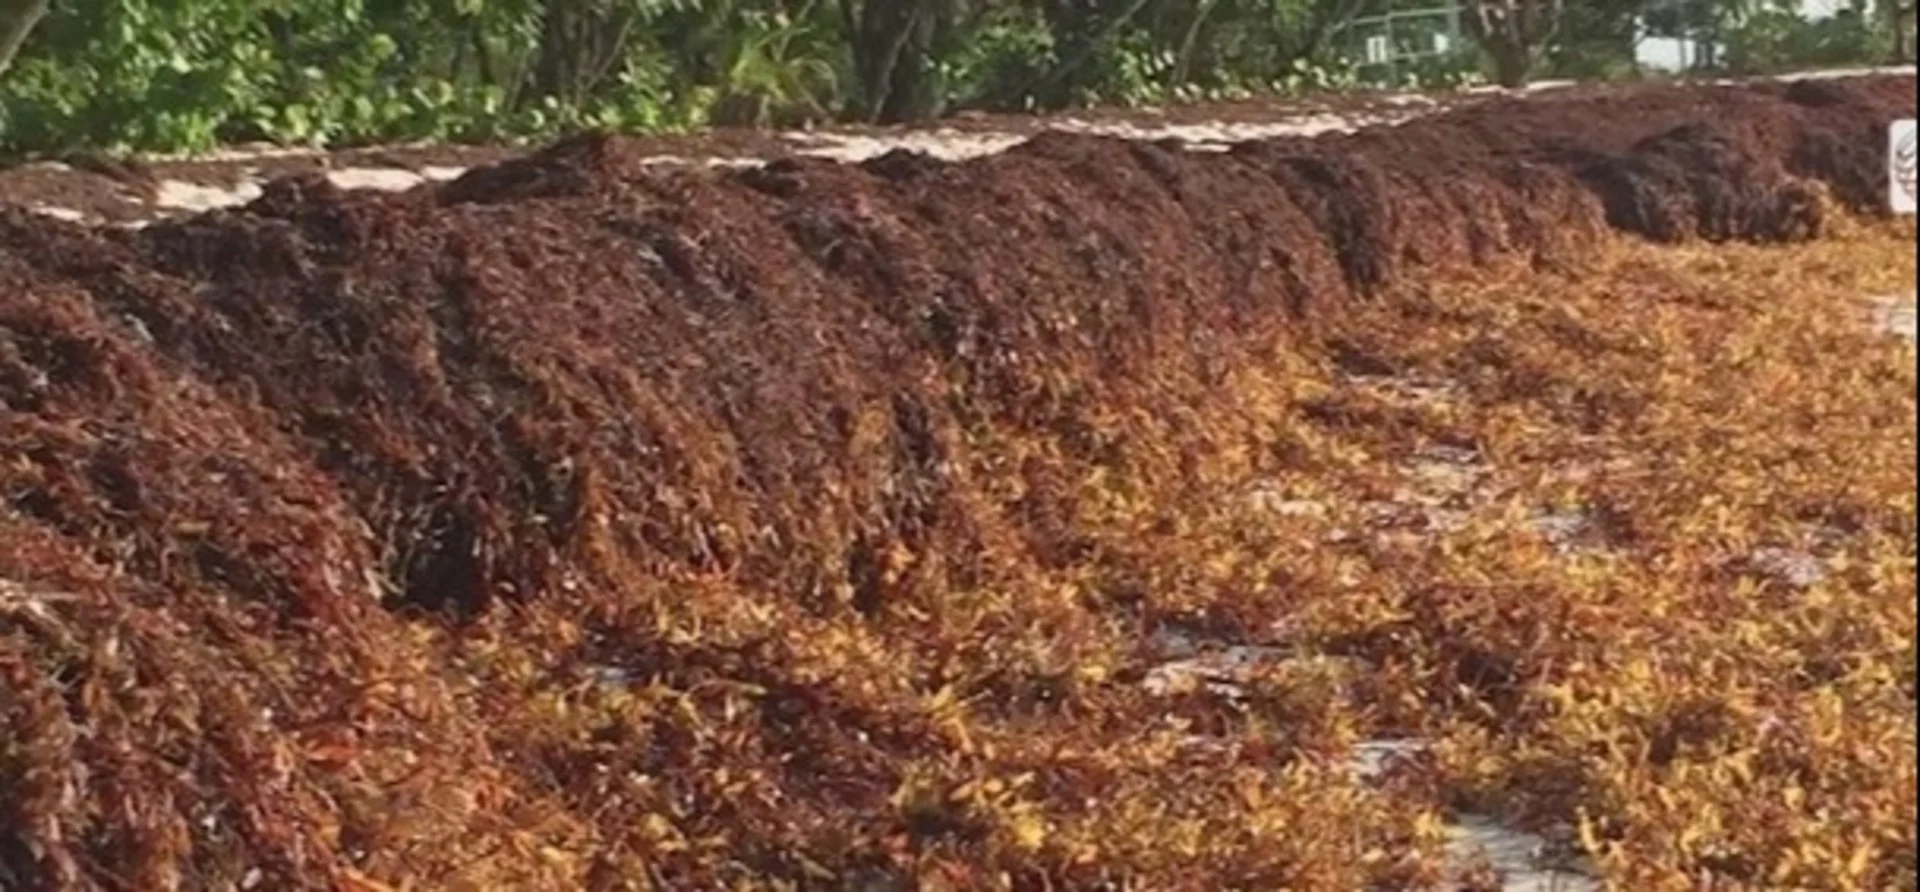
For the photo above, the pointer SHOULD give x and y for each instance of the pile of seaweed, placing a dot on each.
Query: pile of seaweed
(280, 480)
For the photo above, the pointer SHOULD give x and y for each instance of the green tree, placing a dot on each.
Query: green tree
(1597, 39)
(1513, 33)
(1263, 38)
(895, 47)
(17, 20)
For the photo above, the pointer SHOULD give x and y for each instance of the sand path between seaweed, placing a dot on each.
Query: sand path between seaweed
(1437, 481)
(174, 197)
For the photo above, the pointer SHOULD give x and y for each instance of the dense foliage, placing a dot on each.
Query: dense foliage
(185, 75)
(190, 74)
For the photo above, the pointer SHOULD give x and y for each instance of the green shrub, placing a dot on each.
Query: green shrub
(184, 75)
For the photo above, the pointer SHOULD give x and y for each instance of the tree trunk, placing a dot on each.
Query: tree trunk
(1513, 33)
(916, 91)
(1903, 30)
(1512, 65)
(894, 49)
(17, 20)
(553, 73)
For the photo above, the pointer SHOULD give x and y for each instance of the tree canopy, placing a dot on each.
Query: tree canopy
(189, 74)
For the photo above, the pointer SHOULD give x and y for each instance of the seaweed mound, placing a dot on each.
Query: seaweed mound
(260, 466)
